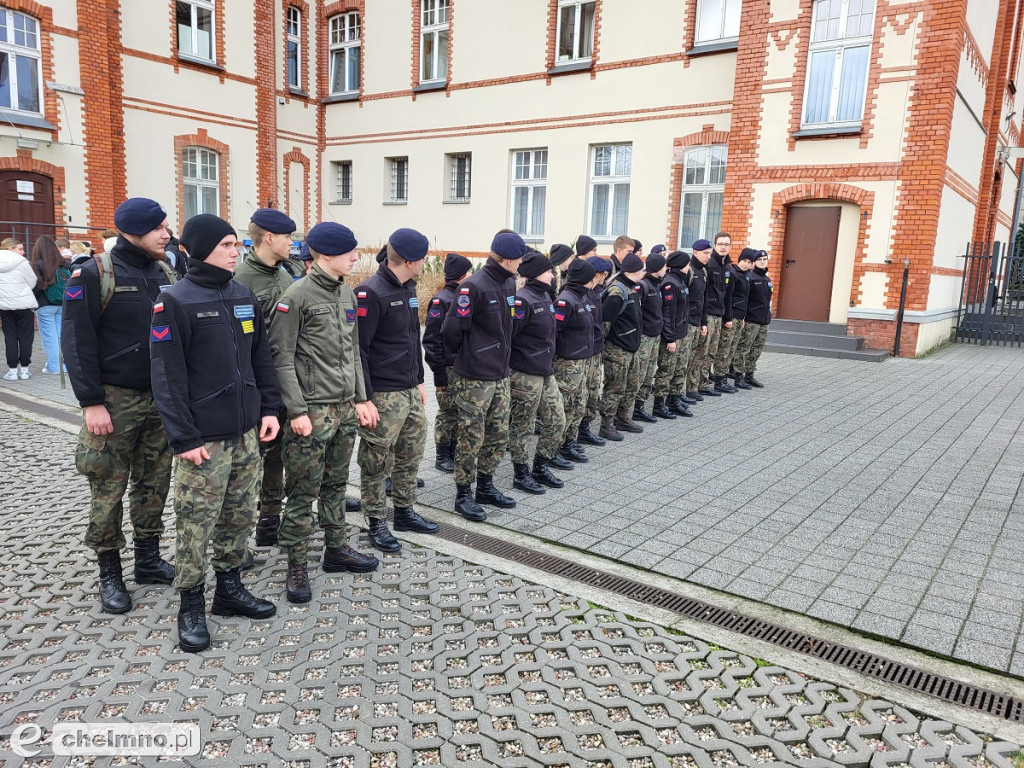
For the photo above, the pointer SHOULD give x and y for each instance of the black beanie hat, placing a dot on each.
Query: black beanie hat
(654, 263)
(581, 272)
(202, 233)
(534, 264)
(677, 260)
(632, 263)
(560, 253)
(748, 254)
(455, 266)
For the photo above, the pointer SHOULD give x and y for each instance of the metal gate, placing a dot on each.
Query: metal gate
(992, 297)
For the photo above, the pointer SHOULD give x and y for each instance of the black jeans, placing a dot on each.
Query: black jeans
(19, 331)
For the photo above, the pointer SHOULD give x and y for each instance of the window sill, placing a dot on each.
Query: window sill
(571, 66)
(438, 85)
(298, 93)
(806, 133)
(28, 121)
(719, 47)
(532, 238)
(455, 202)
(340, 98)
(205, 63)
(339, 202)
(395, 202)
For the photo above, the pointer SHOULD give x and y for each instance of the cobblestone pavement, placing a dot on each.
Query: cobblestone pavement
(432, 660)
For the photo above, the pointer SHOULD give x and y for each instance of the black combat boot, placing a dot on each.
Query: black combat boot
(587, 437)
(193, 636)
(344, 558)
(445, 460)
(114, 597)
(233, 599)
(558, 461)
(708, 391)
(690, 398)
(573, 451)
(739, 380)
(406, 519)
(380, 537)
(722, 385)
(678, 406)
(486, 493)
(753, 382)
(624, 424)
(352, 505)
(524, 481)
(609, 432)
(296, 585)
(660, 410)
(640, 414)
(466, 506)
(266, 530)
(543, 475)
(150, 568)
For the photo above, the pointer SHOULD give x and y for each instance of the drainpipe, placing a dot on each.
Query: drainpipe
(903, 304)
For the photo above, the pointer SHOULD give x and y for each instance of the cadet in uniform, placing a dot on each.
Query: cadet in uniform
(209, 345)
(714, 309)
(736, 296)
(533, 384)
(652, 325)
(676, 345)
(620, 312)
(389, 345)
(560, 254)
(595, 367)
(698, 319)
(315, 343)
(105, 344)
(261, 270)
(759, 315)
(456, 269)
(574, 346)
(478, 329)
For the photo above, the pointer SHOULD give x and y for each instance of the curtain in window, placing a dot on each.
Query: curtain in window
(599, 210)
(539, 196)
(620, 210)
(819, 87)
(852, 82)
(689, 230)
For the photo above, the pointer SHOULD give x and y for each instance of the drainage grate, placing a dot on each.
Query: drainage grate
(872, 665)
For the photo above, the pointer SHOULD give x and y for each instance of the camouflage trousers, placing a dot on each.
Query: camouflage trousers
(446, 421)
(646, 362)
(672, 366)
(533, 396)
(483, 426)
(393, 448)
(727, 345)
(317, 467)
(135, 452)
(751, 347)
(571, 377)
(617, 362)
(595, 385)
(705, 348)
(272, 479)
(215, 505)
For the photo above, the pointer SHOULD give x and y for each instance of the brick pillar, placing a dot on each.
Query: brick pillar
(266, 103)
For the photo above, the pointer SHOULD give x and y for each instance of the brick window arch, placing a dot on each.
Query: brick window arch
(706, 137)
(191, 153)
(297, 201)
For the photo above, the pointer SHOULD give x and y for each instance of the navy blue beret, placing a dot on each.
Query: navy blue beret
(534, 264)
(508, 245)
(304, 254)
(600, 264)
(409, 244)
(632, 263)
(274, 221)
(139, 215)
(331, 239)
(455, 266)
(702, 245)
(659, 248)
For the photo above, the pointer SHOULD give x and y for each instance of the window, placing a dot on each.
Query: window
(398, 170)
(294, 37)
(434, 42)
(200, 172)
(837, 67)
(195, 29)
(703, 193)
(609, 189)
(575, 30)
(529, 191)
(345, 50)
(717, 20)
(20, 85)
(460, 170)
(343, 181)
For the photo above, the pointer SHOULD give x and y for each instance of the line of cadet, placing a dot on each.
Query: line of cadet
(218, 371)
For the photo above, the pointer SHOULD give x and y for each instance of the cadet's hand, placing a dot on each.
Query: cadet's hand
(97, 420)
(423, 394)
(440, 389)
(368, 415)
(671, 346)
(729, 324)
(703, 330)
(743, 324)
(302, 426)
(197, 455)
(269, 427)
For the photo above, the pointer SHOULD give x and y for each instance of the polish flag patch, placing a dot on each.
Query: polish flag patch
(282, 307)
(158, 307)
(77, 272)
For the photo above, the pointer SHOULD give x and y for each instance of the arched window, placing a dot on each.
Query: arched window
(703, 193)
(200, 173)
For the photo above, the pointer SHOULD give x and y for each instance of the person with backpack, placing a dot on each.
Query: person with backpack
(105, 330)
(48, 263)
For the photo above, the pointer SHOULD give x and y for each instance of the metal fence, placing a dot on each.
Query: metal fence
(992, 297)
(28, 231)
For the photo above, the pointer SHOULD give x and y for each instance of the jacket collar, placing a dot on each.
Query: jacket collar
(130, 253)
(496, 271)
(254, 261)
(321, 278)
(385, 272)
(206, 275)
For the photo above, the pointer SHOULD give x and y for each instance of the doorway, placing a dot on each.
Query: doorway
(808, 263)
(26, 206)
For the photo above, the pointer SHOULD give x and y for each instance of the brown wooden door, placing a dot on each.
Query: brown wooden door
(808, 263)
(26, 206)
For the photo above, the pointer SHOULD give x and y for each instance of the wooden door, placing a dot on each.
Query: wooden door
(808, 263)
(26, 206)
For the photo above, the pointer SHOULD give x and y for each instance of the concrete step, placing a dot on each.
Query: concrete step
(808, 326)
(801, 339)
(866, 355)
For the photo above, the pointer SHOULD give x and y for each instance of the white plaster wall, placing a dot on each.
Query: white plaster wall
(956, 218)
(147, 27)
(65, 13)
(969, 84)
(632, 30)
(386, 61)
(966, 144)
(944, 291)
(846, 253)
(930, 335)
(489, 45)
(873, 286)
(981, 20)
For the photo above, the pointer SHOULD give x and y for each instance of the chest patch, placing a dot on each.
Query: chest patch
(244, 311)
(414, 302)
(126, 289)
(160, 333)
(397, 303)
(248, 326)
(215, 313)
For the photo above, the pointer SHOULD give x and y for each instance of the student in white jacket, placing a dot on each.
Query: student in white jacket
(17, 281)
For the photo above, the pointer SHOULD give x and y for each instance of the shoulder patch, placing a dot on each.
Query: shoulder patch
(74, 293)
(76, 272)
(464, 290)
(350, 315)
(435, 301)
(158, 307)
(160, 333)
(361, 294)
(282, 307)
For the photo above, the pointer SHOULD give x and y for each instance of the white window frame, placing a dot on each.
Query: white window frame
(195, 6)
(23, 50)
(293, 35)
(577, 53)
(199, 158)
(434, 25)
(459, 167)
(398, 179)
(711, 182)
(530, 173)
(343, 181)
(843, 48)
(724, 15)
(346, 41)
(621, 159)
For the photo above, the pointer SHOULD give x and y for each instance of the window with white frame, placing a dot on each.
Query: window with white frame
(345, 52)
(717, 21)
(20, 84)
(610, 168)
(837, 62)
(200, 173)
(575, 32)
(294, 37)
(460, 172)
(703, 193)
(195, 28)
(343, 181)
(434, 41)
(398, 176)
(529, 191)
